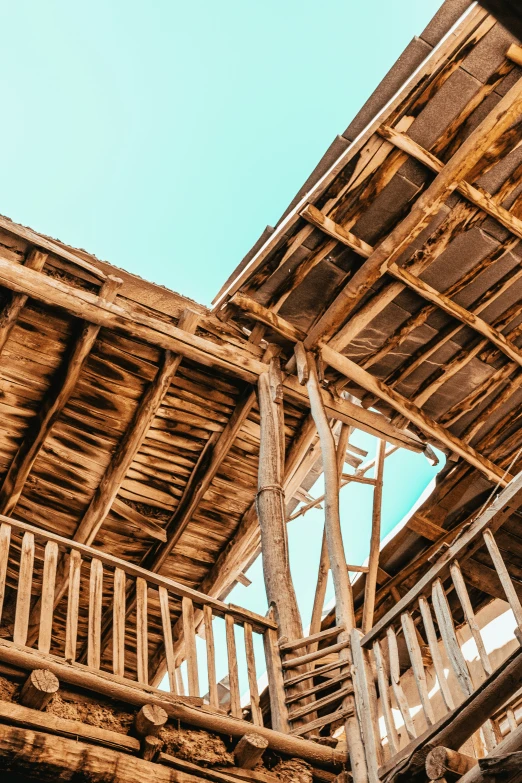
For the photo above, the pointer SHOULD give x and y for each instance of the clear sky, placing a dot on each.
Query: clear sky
(164, 136)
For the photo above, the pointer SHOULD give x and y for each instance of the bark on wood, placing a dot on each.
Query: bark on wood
(443, 762)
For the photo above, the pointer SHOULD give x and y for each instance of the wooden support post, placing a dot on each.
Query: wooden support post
(249, 750)
(344, 609)
(446, 763)
(370, 587)
(151, 747)
(150, 720)
(271, 514)
(39, 688)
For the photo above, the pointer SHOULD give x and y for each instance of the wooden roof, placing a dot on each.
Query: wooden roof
(399, 264)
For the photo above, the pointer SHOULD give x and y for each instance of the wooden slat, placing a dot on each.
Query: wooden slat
(384, 692)
(403, 406)
(166, 623)
(233, 675)
(301, 712)
(370, 586)
(307, 640)
(5, 538)
(95, 613)
(302, 660)
(371, 740)
(503, 575)
(469, 614)
(257, 715)
(265, 316)
(211, 658)
(449, 638)
(71, 628)
(436, 657)
(333, 717)
(142, 633)
(23, 598)
(276, 686)
(506, 111)
(49, 578)
(189, 635)
(414, 651)
(118, 623)
(328, 683)
(395, 677)
(318, 672)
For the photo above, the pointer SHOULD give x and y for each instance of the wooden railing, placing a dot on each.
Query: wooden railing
(33, 562)
(420, 633)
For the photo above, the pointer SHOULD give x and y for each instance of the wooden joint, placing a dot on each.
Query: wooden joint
(249, 750)
(38, 689)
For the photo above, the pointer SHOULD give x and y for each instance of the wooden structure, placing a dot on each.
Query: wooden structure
(150, 449)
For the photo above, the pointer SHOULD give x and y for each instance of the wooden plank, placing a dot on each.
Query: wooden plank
(395, 677)
(23, 598)
(73, 599)
(233, 674)
(414, 651)
(265, 316)
(276, 685)
(328, 683)
(95, 610)
(118, 623)
(302, 660)
(449, 638)
(506, 111)
(503, 575)
(142, 634)
(370, 587)
(384, 692)
(257, 715)
(326, 224)
(317, 672)
(436, 657)
(469, 614)
(403, 406)
(17, 715)
(189, 635)
(11, 311)
(5, 538)
(47, 600)
(333, 717)
(307, 640)
(166, 623)
(499, 510)
(319, 704)
(364, 708)
(51, 407)
(132, 440)
(211, 657)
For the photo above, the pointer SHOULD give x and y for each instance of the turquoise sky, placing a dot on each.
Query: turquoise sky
(164, 136)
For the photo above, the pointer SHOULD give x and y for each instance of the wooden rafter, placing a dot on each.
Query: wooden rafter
(427, 205)
(51, 407)
(13, 308)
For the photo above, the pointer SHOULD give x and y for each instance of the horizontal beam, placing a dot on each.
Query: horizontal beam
(426, 424)
(479, 198)
(123, 317)
(265, 316)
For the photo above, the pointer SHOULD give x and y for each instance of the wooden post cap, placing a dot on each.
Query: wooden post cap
(149, 720)
(38, 689)
(249, 750)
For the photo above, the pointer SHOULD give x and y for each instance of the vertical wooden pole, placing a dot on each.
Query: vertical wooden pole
(344, 610)
(375, 541)
(271, 513)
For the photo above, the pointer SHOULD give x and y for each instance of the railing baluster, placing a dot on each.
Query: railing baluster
(118, 623)
(257, 715)
(276, 685)
(414, 651)
(391, 730)
(503, 575)
(167, 638)
(211, 657)
(469, 614)
(47, 604)
(189, 635)
(233, 677)
(5, 538)
(23, 599)
(436, 657)
(142, 636)
(395, 677)
(95, 614)
(371, 741)
(73, 599)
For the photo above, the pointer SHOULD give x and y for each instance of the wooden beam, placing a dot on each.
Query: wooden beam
(51, 407)
(503, 115)
(265, 316)
(13, 308)
(403, 406)
(456, 311)
(479, 198)
(370, 586)
(132, 440)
